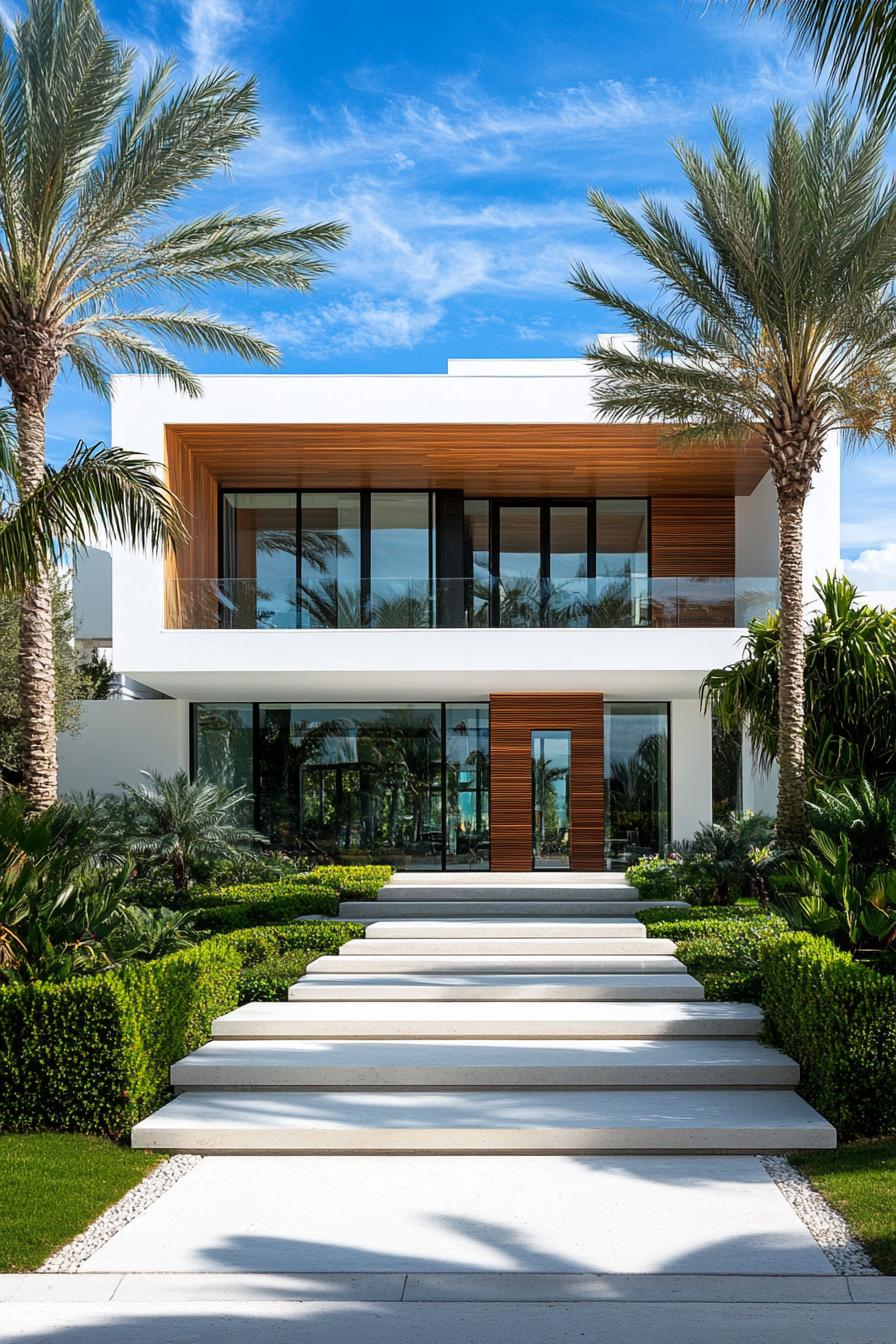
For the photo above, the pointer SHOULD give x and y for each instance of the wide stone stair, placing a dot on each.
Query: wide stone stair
(453, 1027)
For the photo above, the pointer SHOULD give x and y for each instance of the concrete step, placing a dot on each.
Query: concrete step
(484, 1121)
(532, 1021)
(483, 1063)
(366, 911)
(523, 948)
(457, 930)
(454, 986)
(500, 964)
(529, 891)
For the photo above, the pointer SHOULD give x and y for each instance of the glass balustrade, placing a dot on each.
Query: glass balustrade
(520, 602)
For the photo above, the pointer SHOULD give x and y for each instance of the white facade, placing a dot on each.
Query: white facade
(371, 665)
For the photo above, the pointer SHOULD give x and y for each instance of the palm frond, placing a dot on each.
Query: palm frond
(98, 491)
(852, 40)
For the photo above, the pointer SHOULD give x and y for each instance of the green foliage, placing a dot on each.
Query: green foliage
(69, 687)
(656, 879)
(865, 815)
(179, 821)
(838, 1019)
(246, 906)
(850, 688)
(356, 881)
(319, 936)
(727, 861)
(721, 948)
(62, 912)
(259, 865)
(96, 678)
(824, 892)
(269, 981)
(93, 1054)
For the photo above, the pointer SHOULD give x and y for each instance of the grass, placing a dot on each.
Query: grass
(52, 1186)
(859, 1179)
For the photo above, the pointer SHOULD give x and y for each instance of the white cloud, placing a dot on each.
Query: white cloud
(211, 26)
(364, 322)
(874, 570)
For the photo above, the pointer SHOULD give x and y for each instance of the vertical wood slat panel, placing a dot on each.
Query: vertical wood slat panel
(512, 719)
(692, 538)
(196, 557)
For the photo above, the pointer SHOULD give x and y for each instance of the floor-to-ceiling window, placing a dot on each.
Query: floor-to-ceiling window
(636, 774)
(330, 555)
(258, 548)
(466, 786)
(622, 587)
(408, 784)
(402, 549)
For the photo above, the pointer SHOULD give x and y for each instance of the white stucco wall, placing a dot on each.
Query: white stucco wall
(756, 531)
(118, 739)
(690, 733)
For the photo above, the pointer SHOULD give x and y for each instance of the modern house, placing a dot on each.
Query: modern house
(444, 621)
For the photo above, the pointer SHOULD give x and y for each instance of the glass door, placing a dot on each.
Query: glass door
(551, 762)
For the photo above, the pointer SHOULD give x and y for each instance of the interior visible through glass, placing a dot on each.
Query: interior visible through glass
(466, 786)
(551, 762)
(636, 769)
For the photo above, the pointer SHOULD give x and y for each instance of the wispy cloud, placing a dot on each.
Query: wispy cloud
(211, 28)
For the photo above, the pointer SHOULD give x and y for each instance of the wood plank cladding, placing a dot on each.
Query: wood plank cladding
(484, 459)
(692, 537)
(196, 489)
(512, 719)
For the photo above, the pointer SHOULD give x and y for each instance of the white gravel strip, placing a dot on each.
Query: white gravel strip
(130, 1206)
(827, 1226)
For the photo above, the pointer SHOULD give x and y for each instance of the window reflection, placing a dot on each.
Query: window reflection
(551, 764)
(401, 559)
(259, 559)
(466, 786)
(636, 768)
(622, 586)
(222, 748)
(331, 559)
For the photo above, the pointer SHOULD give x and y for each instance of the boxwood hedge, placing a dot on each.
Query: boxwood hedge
(834, 1015)
(93, 1054)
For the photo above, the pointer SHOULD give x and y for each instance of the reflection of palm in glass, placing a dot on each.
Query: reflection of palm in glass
(635, 784)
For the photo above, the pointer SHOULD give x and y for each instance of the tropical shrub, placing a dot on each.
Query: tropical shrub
(727, 861)
(850, 689)
(61, 911)
(657, 879)
(824, 892)
(865, 815)
(180, 821)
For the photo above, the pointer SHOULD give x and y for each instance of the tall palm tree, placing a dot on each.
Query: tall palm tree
(854, 40)
(91, 166)
(776, 315)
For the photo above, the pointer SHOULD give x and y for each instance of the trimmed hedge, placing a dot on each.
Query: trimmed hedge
(721, 947)
(92, 1054)
(252, 906)
(834, 1015)
(838, 1018)
(360, 881)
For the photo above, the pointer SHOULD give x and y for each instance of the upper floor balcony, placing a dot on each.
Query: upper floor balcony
(414, 603)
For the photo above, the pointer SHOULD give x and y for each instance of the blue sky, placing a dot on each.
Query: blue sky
(458, 142)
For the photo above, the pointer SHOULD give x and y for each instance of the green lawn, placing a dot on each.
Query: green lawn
(53, 1185)
(859, 1179)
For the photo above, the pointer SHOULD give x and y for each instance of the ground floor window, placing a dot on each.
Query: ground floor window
(636, 770)
(408, 784)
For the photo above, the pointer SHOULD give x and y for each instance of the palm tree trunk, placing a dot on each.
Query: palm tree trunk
(791, 672)
(37, 686)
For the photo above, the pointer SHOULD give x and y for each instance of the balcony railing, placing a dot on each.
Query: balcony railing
(420, 604)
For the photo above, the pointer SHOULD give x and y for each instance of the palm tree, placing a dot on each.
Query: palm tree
(90, 168)
(854, 39)
(99, 490)
(778, 316)
(180, 821)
